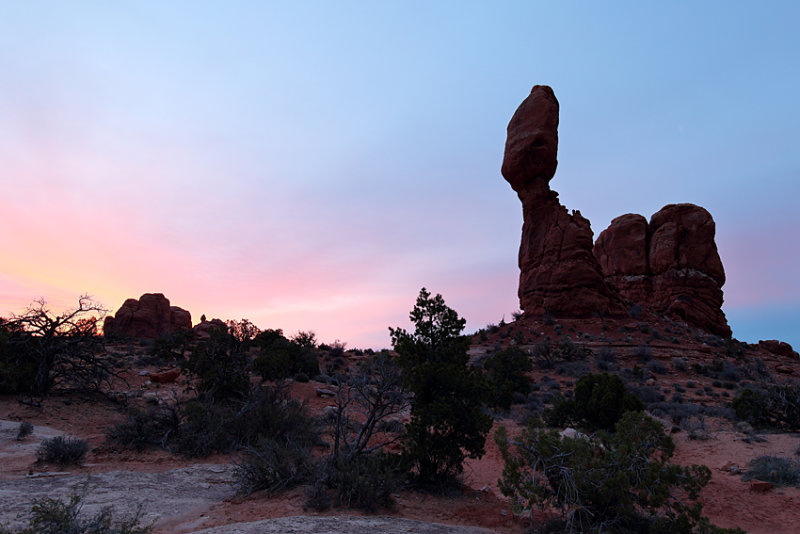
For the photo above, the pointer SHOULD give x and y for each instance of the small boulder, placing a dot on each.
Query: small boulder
(166, 377)
(760, 486)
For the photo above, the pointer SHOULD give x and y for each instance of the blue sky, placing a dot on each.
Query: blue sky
(311, 165)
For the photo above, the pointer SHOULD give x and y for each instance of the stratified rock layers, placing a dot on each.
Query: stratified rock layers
(669, 265)
(558, 272)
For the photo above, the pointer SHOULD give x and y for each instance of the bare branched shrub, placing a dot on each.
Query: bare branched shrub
(41, 351)
(62, 450)
(52, 516)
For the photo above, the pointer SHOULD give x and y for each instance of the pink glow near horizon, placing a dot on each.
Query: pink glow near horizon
(311, 169)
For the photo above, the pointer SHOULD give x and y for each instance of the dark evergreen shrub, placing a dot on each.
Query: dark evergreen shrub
(505, 374)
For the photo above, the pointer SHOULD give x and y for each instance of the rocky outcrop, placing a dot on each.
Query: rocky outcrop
(204, 328)
(670, 265)
(780, 348)
(558, 272)
(149, 317)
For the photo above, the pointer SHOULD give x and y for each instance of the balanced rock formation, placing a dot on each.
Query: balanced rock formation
(670, 265)
(150, 317)
(558, 272)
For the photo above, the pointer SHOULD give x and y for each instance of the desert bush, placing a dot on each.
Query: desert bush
(207, 426)
(606, 359)
(220, 365)
(775, 470)
(365, 482)
(600, 400)
(680, 364)
(620, 482)
(676, 410)
(243, 332)
(202, 425)
(144, 429)
(368, 403)
(171, 347)
(447, 421)
(62, 450)
(273, 466)
(281, 358)
(305, 339)
(25, 429)
(696, 428)
(657, 367)
(505, 374)
(777, 406)
(643, 353)
(52, 516)
(546, 355)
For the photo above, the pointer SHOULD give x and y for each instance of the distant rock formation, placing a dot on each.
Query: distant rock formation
(670, 265)
(203, 329)
(781, 348)
(558, 272)
(150, 317)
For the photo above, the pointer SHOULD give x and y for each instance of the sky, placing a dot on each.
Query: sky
(311, 165)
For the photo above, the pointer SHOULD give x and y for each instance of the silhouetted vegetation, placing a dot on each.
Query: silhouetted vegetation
(41, 351)
(221, 366)
(505, 375)
(447, 422)
(281, 358)
(599, 402)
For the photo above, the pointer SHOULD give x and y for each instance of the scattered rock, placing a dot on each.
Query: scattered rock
(760, 486)
(324, 392)
(166, 377)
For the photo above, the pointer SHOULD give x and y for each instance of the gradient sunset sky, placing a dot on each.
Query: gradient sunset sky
(311, 165)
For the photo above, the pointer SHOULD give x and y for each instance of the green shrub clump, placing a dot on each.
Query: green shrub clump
(616, 482)
(505, 374)
(281, 358)
(600, 401)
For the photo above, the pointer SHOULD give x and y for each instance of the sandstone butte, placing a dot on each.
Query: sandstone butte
(669, 265)
(149, 317)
